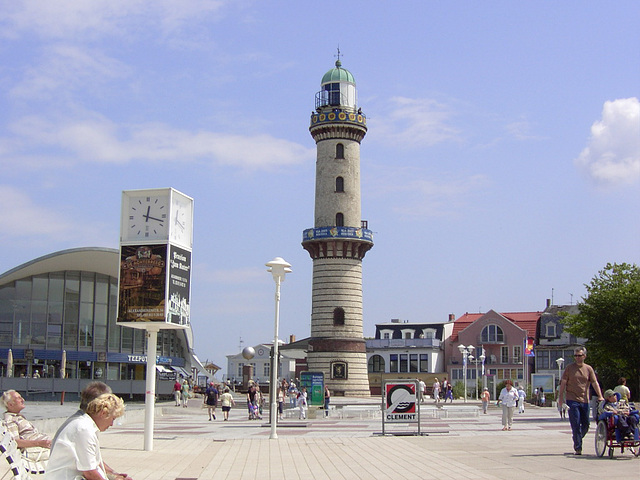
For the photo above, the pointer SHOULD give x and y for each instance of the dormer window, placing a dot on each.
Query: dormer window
(407, 333)
(428, 333)
(551, 330)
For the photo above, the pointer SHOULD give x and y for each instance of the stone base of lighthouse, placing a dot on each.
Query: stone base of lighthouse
(345, 371)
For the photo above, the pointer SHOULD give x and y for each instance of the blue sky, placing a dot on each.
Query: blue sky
(502, 161)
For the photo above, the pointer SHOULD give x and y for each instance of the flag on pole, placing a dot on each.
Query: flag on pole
(528, 347)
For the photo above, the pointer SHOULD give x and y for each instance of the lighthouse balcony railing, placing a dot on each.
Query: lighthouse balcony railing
(335, 99)
(344, 233)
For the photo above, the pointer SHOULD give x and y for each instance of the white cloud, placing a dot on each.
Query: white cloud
(612, 154)
(66, 68)
(415, 122)
(95, 138)
(521, 130)
(21, 217)
(95, 18)
(412, 194)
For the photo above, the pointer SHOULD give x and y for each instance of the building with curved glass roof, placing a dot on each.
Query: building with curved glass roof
(64, 305)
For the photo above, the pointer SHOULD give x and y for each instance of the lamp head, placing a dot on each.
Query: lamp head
(278, 267)
(461, 348)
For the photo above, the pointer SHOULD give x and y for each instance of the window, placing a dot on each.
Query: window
(339, 184)
(550, 330)
(393, 362)
(413, 362)
(404, 362)
(424, 362)
(504, 355)
(386, 335)
(429, 333)
(492, 334)
(339, 150)
(517, 354)
(339, 220)
(376, 364)
(338, 316)
(266, 371)
(407, 333)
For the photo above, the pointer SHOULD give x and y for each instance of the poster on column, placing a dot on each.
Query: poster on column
(178, 311)
(142, 283)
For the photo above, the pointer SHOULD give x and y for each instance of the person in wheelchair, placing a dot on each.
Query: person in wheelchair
(625, 417)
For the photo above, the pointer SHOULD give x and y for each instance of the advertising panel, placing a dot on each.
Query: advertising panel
(314, 383)
(142, 283)
(179, 282)
(401, 402)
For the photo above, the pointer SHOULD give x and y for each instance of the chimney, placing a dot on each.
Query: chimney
(452, 317)
(292, 338)
(395, 320)
(548, 302)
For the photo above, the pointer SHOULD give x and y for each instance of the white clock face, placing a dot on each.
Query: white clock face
(181, 221)
(148, 217)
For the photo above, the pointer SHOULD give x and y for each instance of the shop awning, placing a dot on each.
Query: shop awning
(181, 371)
(163, 369)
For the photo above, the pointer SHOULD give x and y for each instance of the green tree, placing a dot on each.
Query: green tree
(610, 319)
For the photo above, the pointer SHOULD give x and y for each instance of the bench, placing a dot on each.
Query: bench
(20, 466)
(362, 411)
(11, 453)
(459, 411)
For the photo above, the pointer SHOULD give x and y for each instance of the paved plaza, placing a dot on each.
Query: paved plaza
(187, 446)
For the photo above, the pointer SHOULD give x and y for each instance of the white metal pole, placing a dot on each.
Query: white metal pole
(464, 373)
(274, 366)
(475, 385)
(150, 396)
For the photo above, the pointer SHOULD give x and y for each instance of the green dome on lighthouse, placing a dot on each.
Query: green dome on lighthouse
(338, 74)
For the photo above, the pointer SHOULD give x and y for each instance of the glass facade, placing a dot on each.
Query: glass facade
(74, 311)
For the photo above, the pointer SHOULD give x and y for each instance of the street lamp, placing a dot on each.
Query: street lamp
(465, 351)
(560, 362)
(278, 268)
(484, 378)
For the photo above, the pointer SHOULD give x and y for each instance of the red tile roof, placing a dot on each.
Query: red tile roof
(528, 321)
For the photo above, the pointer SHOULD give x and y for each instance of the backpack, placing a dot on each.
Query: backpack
(212, 395)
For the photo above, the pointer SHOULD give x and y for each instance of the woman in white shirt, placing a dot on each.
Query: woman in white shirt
(508, 397)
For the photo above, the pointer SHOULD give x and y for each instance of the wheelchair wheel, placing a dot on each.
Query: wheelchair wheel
(601, 438)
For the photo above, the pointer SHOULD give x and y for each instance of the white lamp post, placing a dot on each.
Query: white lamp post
(560, 362)
(484, 379)
(465, 351)
(278, 268)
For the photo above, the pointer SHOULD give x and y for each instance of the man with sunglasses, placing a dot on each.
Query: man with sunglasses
(574, 391)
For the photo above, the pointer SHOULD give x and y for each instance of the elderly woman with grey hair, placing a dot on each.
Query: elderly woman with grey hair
(76, 451)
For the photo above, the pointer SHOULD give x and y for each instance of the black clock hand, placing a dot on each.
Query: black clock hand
(147, 215)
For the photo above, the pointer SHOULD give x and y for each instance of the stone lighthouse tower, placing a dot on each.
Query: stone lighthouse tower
(340, 238)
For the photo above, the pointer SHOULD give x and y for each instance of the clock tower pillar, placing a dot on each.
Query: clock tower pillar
(339, 239)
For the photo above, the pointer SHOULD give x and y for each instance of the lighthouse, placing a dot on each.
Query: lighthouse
(339, 239)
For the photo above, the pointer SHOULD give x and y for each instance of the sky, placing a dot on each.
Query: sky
(501, 166)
